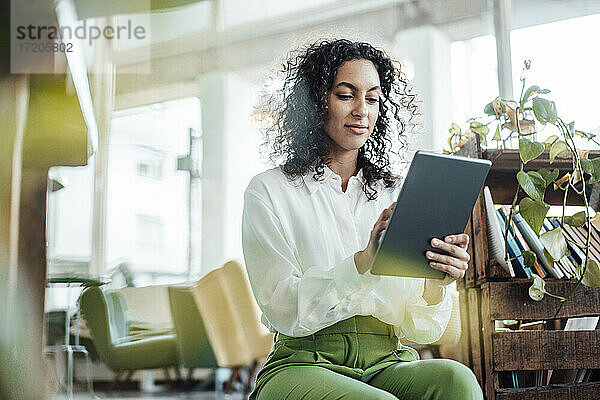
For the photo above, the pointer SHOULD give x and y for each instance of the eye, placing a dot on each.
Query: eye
(344, 96)
(373, 100)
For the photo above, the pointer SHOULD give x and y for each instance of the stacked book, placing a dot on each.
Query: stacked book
(522, 238)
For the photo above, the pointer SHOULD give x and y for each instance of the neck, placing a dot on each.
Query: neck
(344, 165)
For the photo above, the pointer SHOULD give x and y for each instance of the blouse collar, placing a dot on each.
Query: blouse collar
(328, 175)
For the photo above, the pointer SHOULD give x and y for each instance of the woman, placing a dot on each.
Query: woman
(310, 232)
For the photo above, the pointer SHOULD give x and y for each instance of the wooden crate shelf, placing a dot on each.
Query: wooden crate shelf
(588, 390)
(494, 352)
(488, 294)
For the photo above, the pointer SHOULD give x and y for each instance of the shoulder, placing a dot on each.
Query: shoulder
(269, 183)
(266, 180)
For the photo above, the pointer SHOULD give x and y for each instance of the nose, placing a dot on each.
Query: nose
(360, 108)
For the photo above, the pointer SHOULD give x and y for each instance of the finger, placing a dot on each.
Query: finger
(385, 214)
(448, 280)
(454, 250)
(453, 272)
(381, 226)
(461, 240)
(449, 260)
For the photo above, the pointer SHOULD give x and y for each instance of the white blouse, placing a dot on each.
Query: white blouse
(299, 240)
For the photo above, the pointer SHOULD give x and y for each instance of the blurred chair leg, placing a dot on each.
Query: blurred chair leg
(69, 372)
(251, 373)
(113, 384)
(128, 376)
(90, 384)
(190, 377)
(234, 375)
(178, 375)
(168, 377)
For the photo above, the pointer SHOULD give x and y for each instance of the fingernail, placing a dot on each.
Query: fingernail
(449, 240)
(436, 241)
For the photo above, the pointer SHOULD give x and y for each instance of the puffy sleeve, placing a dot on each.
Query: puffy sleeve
(424, 323)
(295, 302)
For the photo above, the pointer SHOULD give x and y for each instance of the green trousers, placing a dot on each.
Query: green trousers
(358, 358)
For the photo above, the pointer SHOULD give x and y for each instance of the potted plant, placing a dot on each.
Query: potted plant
(519, 120)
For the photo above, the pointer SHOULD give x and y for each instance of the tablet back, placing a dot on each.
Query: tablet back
(436, 200)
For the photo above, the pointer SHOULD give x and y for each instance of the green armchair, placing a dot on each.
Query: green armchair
(107, 323)
(194, 347)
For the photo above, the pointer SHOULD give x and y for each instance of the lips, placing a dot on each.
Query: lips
(357, 128)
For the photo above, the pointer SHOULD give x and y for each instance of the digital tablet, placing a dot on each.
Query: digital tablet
(436, 200)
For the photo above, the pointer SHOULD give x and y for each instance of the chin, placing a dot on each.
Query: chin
(354, 144)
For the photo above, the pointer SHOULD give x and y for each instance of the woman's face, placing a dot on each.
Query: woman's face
(353, 105)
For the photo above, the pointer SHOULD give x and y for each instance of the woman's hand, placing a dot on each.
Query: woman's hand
(363, 259)
(454, 265)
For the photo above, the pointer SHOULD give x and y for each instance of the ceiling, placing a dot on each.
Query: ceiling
(250, 49)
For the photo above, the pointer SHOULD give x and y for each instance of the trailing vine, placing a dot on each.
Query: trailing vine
(519, 119)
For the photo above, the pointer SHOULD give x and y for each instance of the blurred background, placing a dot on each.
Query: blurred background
(128, 160)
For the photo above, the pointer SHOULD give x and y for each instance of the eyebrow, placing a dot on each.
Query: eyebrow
(352, 87)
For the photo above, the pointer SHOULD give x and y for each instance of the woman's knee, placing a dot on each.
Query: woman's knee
(455, 379)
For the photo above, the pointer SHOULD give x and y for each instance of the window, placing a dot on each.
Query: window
(151, 220)
(150, 163)
(474, 76)
(149, 231)
(564, 59)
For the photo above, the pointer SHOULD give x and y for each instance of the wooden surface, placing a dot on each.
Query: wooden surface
(465, 339)
(479, 238)
(582, 391)
(488, 326)
(502, 179)
(475, 335)
(469, 279)
(531, 350)
(510, 300)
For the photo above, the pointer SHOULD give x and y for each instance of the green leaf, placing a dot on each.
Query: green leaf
(531, 90)
(537, 288)
(592, 274)
(583, 134)
(571, 127)
(591, 167)
(544, 110)
(533, 184)
(550, 141)
(497, 134)
(549, 176)
(479, 128)
(559, 149)
(586, 165)
(548, 257)
(576, 220)
(554, 241)
(533, 212)
(529, 258)
(489, 109)
(529, 150)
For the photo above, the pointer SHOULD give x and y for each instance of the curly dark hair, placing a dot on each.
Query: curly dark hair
(295, 137)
